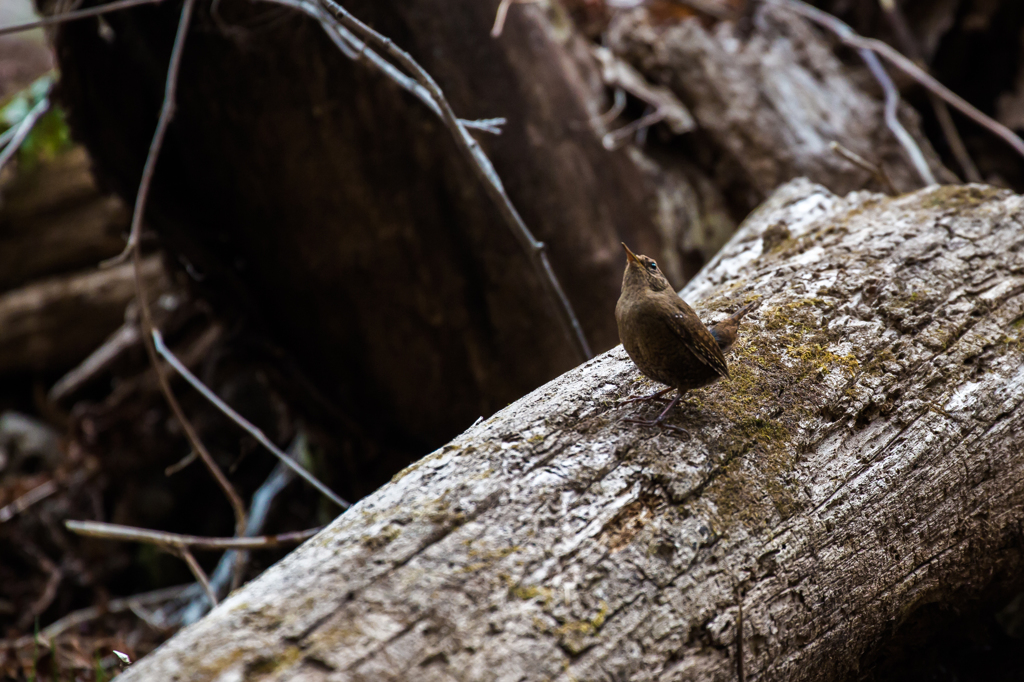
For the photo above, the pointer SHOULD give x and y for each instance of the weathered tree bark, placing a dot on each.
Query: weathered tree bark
(863, 461)
(338, 205)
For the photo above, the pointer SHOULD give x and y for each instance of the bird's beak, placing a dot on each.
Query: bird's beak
(630, 256)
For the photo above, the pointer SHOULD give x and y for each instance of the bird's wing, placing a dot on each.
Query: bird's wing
(699, 341)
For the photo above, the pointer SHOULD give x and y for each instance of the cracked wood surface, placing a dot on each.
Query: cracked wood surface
(863, 461)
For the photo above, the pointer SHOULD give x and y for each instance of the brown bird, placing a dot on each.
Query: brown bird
(665, 338)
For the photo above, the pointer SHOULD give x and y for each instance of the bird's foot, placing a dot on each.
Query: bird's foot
(659, 421)
(643, 399)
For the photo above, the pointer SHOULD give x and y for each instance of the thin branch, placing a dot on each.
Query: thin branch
(535, 249)
(893, 56)
(48, 595)
(165, 387)
(613, 139)
(48, 634)
(37, 494)
(22, 129)
(619, 75)
(164, 120)
(856, 159)
(114, 531)
(77, 14)
(355, 49)
(6, 135)
(181, 463)
(502, 14)
(191, 378)
(499, 18)
(229, 568)
(953, 139)
(485, 125)
(910, 46)
(132, 251)
(198, 572)
(617, 107)
(892, 121)
(124, 338)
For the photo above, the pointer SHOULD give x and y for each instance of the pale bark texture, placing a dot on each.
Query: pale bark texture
(863, 461)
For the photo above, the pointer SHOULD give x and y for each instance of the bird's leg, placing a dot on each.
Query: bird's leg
(659, 420)
(653, 396)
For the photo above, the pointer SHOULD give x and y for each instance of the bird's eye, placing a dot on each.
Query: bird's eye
(652, 266)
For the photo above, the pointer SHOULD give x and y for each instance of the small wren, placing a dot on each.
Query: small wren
(665, 338)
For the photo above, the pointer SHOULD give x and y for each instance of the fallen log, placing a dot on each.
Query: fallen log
(55, 219)
(50, 324)
(863, 462)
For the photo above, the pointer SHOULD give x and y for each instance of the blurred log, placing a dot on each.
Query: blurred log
(772, 103)
(863, 463)
(55, 219)
(49, 325)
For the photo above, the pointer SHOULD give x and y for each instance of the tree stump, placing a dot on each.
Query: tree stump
(863, 462)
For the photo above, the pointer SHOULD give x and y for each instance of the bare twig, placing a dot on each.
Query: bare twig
(48, 595)
(48, 634)
(502, 14)
(186, 425)
(482, 165)
(952, 135)
(181, 463)
(6, 135)
(355, 49)
(909, 45)
(101, 358)
(613, 139)
(132, 251)
(198, 572)
(892, 121)
(617, 107)
(424, 87)
(486, 125)
(37, 494)
(191, 378)
(164, 120)
(56, 575)
(856, 159)
(229, 568)
(114, 531)
(893, 56)
(22, 129)
(77, 14)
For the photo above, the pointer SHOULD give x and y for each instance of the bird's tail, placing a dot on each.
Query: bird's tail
(725, 331)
